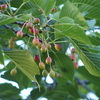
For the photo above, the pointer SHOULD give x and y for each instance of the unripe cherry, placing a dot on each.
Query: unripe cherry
(3, 6)
(43, 48)
(11, 46)
(52, 74)
(36, 58)
(13, 72)
(35, 41)
(58, 47)
(28, 25)
(36, 20)
(53, 10)
(19, 34)
(34, 31)
(44, 73)
(48, 60)
(11, 42)
(76, 65)
(39, 45)
(48, 46)
(42, 65)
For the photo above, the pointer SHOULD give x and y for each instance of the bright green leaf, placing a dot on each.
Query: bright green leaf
(24, 61)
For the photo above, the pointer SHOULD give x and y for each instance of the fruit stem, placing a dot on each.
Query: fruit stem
(18, 8)
(8, 3)
(39, 55)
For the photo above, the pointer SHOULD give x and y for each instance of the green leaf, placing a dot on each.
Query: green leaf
(5, 19)
(1, 56)
(71, 11)
(25, 17)
(87, 75)
(41, 3)
(26, 6)
(49, 7)
(22, 80)
(25, 1)
(91, 6)
(8, 91)
(64, 65)
(71, 30)
(90, 60)
(91, 23)
(35, 94)
(24, 61)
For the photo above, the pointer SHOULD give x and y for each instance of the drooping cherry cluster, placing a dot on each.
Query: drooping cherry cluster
(41, 43)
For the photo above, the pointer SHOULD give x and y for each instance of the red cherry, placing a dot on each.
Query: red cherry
(19, 34)
(36, 20)
(42, 65)
(48, 60)
(34, 31)
(58, 47)
(3, 6)
(35, 41)
(28, 25)
(36, 58)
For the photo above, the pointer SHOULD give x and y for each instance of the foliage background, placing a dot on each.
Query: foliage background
(68, 27)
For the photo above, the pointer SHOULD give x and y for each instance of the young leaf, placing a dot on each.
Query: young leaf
(71, 11)
(64, 65)
(1, 56)
(24, 61)
(90, 60)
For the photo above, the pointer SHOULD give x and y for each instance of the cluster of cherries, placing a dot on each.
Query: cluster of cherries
(43, 46)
